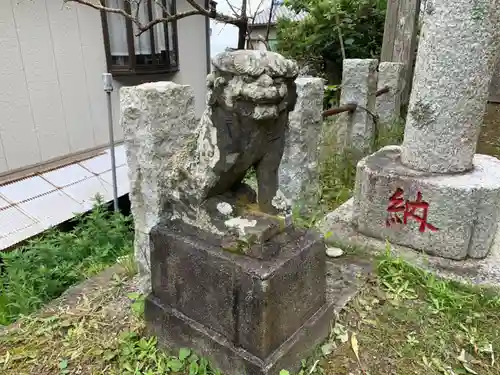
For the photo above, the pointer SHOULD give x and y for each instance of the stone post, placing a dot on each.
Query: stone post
(390, 74)
(156, 119)
(298, 172)
(433, 193)
(359, 84)
(453, 71)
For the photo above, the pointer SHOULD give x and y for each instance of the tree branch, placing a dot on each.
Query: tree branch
(268, 29)
(198, 10)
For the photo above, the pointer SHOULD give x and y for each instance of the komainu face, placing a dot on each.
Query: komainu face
(255, 84)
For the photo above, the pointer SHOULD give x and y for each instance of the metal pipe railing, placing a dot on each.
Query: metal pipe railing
(351, 107)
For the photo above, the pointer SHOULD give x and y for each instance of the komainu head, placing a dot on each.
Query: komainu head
(256, 84)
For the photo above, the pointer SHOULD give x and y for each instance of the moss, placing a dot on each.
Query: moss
(238, 246)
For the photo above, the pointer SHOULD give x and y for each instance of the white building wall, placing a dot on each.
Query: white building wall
(260, 32)
(52, 58)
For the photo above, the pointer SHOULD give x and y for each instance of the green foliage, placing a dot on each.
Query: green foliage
(337, 170)
(331, 97)
(137, 305)
(315, 39)
(140, 356)
(44, 268)
(446, 297)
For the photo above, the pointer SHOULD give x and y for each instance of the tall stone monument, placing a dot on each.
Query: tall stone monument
(433, 193)
(231, 278)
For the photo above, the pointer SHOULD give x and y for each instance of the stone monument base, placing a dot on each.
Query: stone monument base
(342, 233)
(175, 330)
(247, 315)
(453, 216)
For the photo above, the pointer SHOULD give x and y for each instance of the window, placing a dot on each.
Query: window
(154, 51)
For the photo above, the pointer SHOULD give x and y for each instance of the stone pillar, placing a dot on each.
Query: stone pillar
(388, 105)
(450, 90)
(359, 84)
(156, 119)
(298, 172)
(434, 194)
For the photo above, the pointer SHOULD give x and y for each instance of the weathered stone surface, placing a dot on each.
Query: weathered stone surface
(156, 119)
(388, 105)
(453, 71)
(256, 304)
(249, 235)
(261, 302)
(250, 94)
(359, 84)
(484, 271)
(344, 278)
(462, 210)
(298, 171)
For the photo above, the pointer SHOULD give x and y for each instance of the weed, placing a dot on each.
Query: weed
(408, 321)
(139, 355)
(44, 268)
(337, 170)
(137, 305)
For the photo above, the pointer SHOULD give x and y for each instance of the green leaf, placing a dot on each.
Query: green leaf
(175, 365)
(193, 368)
(327, 348)
(133, 296)
(184, 353)
(284, 372)
(63, 364)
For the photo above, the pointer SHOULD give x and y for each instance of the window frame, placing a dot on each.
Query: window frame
(170, 65)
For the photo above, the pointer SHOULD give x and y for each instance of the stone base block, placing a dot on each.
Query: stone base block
(175, 330)
(452, 216)
(217, 302)
(338, 224)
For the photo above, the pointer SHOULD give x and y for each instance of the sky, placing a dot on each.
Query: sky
(227, 35)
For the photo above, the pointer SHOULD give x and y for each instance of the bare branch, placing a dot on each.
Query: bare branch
(162, 7)
(138, 5)
(268, 29)
(243, 13)
(265, 41)
(250, 24)
(99, 6)
(198, 10)
(233, 8)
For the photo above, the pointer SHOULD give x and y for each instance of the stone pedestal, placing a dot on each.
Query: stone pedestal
(249, 316)
(453, 216)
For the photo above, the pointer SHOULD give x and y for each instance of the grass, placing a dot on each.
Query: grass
(408, 321)
(40, 271)
(97, 330)
(405, 322)
(337, 170)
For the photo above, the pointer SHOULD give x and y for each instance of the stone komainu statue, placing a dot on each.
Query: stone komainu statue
(250, 96)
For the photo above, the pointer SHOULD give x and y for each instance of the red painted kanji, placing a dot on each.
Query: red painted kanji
(398, 205)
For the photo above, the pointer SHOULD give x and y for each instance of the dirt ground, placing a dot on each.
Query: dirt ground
(75, 334)
(489, 139)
